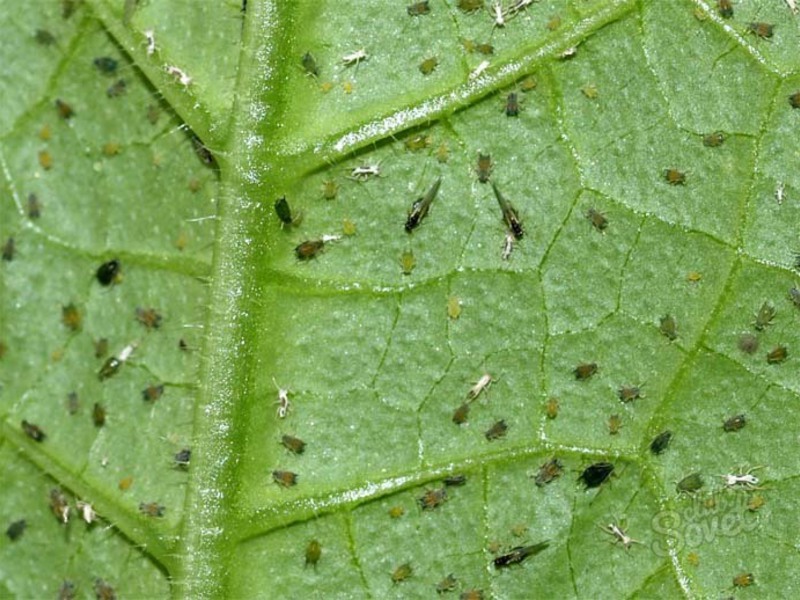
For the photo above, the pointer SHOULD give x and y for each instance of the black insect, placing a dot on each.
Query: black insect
(725, 8)
(510, 215)
(64, 110)
(661, 442)
(455, 480)
(16, 529)
(512, 105)
(44, 37)
(420, 207)
(183, 458)
(9, 249)
(33, 431)
(34, 207)
(310, 64)
(106, 64)
(203, 153)
(108, 272)
(98, 415)
(518, 554)
(283, 211)
(596, 474)
(794, 100)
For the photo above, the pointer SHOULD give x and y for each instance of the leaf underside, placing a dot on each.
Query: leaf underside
(378, 338)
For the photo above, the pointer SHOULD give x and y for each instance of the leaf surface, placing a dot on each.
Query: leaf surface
(375, 351)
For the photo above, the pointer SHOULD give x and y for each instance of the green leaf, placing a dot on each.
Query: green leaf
(377, 340)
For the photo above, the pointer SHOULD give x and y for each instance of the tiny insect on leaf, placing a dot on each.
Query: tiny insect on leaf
(106, 65)
(497, 431)
(284, 478)
(725, 8)
(16, 529)
(421, 206)
(675, 177)
(597, 219)
(150, 318)
(748, 343)
(761, 29)
(34, 206)
(309, 64)
(512, 105)
(469, 6)
(614, 424)
(152, 509)
(548, 472)
(309, 249)
(734, 423)
(98, 415)
(777, 355)
(183, 458)
(484, 168)
(668, 327)
(448, 584)
(455, 480)
(152, 392)
(661, 442)
(461, 414)
(293, 444)
(629, 393)
(402, 573)
(689, 484)
(596, 474)
(585, 371)
(764, 316)
(418, 8)
(33, 431)
(9, 249)
(712, 140)
(743, 580)
(519, 554)
(108, 272)
(313, 553)
(510, 215)
(551, 408)
(432, 499)
(283, 211)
